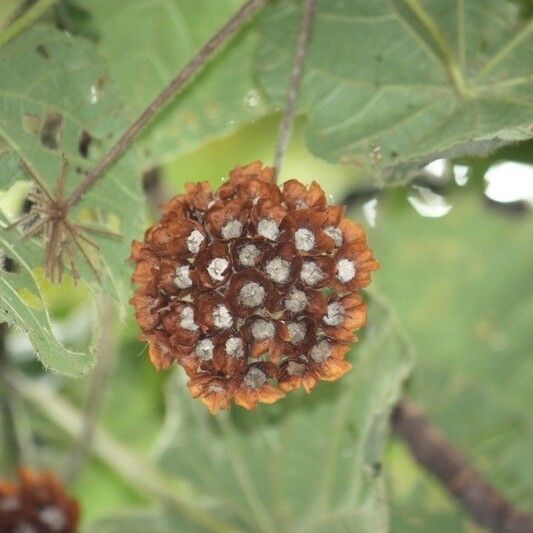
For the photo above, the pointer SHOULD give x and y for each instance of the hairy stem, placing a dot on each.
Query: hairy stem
(287, 122)
(107, 344)
(434, 451)
(32, 15)
(134, 469)
(234, 24)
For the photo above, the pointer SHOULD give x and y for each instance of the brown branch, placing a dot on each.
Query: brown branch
(234, 24)
(435, 452)
(107, 345)
(293, 91)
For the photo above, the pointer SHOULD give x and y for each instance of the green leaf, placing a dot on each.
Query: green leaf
(418, 500)
(58, 98)
(33, 319)
(58, 93)
(308, 463)
(390, 81)
(7, 8)
(139, 521)
(160, 38)
(463, 297)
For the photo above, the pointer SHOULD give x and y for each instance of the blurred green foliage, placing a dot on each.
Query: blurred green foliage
(457, 284)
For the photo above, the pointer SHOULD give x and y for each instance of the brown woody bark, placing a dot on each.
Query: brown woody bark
(436, 453)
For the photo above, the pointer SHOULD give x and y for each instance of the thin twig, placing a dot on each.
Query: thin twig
(435, 452)
(133, 468)
(235, 23)
(107, 345)
(32, 15)
(287, 122)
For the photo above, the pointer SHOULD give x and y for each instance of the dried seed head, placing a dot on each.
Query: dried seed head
(268, 228)
(297, 332)
(304, 240)
(217, 268)
(278, 270)
(204, 349)
(53, 517)
(296, 369)
(312, 274)
(232, 230)
(37, 502)
(183, 277)
(248, 255)
(296, 301)
(320, 352)
(222, 317)
(263, 330)
(247, 269)
(187, 319)
(252, 294)
(9, 504)
(335, 234)
(336, 314)
(194, 241)
(254, 378)
(235, 347)
(346, 270)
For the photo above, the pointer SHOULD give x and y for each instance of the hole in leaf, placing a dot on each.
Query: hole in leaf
(27, 205)
(52, 131)
(151, 180)
(85, 143)
(101, 82)
(31, 124)
(43, 51)
(8, 264)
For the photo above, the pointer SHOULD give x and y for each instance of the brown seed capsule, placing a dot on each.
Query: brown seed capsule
(253, 289)
(37, 502)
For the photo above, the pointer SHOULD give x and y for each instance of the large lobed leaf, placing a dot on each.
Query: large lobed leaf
(309, 463)
(57, 97)
(390, 81)
(464, 301)
(146, 43)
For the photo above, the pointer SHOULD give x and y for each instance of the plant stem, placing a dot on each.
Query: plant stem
(131, 467)
(287, 122)
(107, 344)
(234, 24)
(32, 15)
(435, 452)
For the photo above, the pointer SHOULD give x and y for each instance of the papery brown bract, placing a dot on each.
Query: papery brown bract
(253, 289)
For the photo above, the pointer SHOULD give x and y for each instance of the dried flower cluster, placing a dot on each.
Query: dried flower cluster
(37, 503)
(252, 289)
